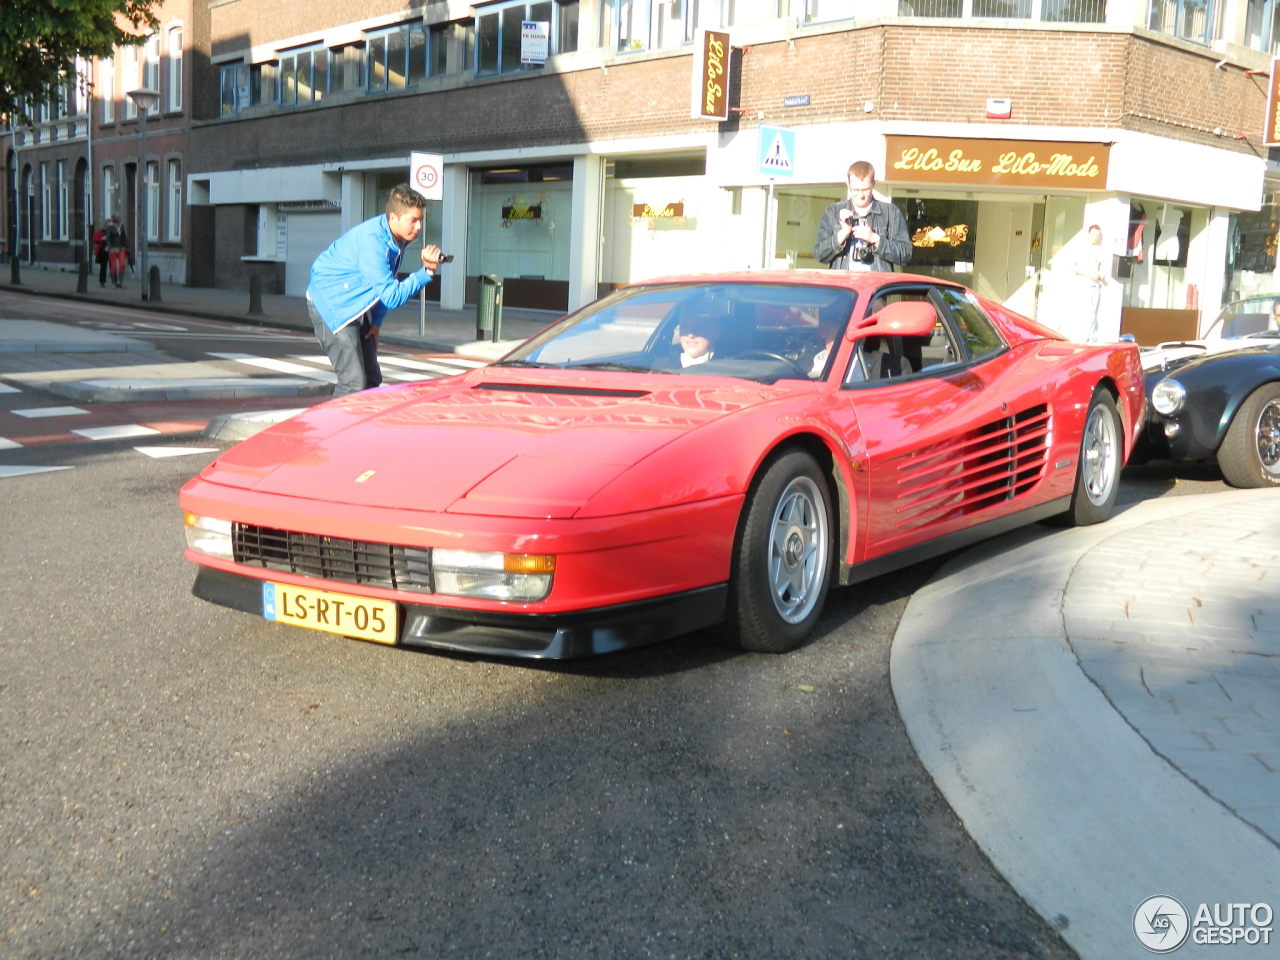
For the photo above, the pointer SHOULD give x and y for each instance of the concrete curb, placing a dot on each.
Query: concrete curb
(1068, 800)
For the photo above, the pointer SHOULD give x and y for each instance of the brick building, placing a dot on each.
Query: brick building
(1002, 128)
(80, 159)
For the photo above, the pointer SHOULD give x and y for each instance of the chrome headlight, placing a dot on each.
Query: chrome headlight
(1168, 397)
(208, 535)
(522, 577)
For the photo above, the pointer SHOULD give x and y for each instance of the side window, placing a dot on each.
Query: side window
(888, 358)
(979, 336)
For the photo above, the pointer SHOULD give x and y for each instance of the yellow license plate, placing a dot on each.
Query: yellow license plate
(362, 617)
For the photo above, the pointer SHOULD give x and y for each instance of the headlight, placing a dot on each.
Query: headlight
(523, 577)
(1168, 396)
(208, 535)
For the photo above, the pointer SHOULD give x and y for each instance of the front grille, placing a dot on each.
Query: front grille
(359, 562)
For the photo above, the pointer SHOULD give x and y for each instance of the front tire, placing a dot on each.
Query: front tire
(782, 565)
(1100, 462)
(1250, 452)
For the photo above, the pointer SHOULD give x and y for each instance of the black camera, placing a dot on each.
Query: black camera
(860, 250)
(446, 258)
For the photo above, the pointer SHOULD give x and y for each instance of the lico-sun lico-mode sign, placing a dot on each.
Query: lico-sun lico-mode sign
(1005, 163)
(709, 96)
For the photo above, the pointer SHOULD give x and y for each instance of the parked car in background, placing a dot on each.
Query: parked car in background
(699, 452)
(1218, 399)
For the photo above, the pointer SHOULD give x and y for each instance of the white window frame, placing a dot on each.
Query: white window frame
(106, 88)
(151, 69)
(129, 79)
(61, 199)
(151, 183)
(108, 199)
(46, 202)
(173, 209)
(173, 60)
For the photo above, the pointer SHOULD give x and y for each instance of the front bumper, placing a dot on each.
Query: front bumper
(557, 636)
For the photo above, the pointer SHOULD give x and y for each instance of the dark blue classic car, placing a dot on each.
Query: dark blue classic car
(1217, 400)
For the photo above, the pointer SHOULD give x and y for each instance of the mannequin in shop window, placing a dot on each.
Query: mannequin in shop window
(1090, 265)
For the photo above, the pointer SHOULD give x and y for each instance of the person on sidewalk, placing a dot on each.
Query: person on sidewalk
(861, 232)
(100, 251)
(117, 250)
(354, 283)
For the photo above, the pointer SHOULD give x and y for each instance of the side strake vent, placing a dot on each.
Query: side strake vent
(998, 461)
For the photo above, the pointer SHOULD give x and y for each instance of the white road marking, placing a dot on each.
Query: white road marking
(157, 453)
(116, 433)
(7, 444)
(5, 388)
(35, 412)
(6, 472)
(279, 366)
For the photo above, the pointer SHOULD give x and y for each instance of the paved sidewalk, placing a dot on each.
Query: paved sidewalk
(1101, 708)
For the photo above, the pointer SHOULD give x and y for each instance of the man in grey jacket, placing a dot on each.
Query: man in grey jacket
(861, 232)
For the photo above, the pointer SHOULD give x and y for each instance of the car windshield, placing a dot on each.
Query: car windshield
(1252, 317)
(756, 331)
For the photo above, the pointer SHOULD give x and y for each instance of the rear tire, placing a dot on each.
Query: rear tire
(782, 564)
(1250, 452)
(1100, 462)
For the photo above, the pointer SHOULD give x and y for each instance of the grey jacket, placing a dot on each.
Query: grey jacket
(894, 249)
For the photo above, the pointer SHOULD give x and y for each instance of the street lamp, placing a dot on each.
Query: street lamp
(144, 99)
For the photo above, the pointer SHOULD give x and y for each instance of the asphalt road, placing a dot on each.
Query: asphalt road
(178, 780)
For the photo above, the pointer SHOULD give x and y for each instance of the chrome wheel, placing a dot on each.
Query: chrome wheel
(1267, 437)
(1100, 455)
(798, 550)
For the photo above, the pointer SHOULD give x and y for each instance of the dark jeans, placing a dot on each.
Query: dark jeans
(353, 354)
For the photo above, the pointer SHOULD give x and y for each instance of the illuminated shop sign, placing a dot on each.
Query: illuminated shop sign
(997, 163)
(642, 211)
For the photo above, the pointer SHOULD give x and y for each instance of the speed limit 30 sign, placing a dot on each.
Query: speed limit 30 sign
(426, 174)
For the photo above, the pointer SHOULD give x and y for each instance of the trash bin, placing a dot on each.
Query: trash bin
(489, 307)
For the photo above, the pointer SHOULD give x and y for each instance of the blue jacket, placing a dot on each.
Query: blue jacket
(357, 273)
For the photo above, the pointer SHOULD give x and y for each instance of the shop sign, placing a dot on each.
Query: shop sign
(535, 41)
(642, 211)
(1271, 133)
(997, 163)
(709, 96)
(521, 211)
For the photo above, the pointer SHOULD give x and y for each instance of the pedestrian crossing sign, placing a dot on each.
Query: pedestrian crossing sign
(777, 152)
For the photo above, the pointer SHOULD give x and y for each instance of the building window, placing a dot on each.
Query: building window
(262, 82)
(108, 199)
(1189, 19)
(61, 199)
(46, 203)
(1054, 11)
(128, 60)
(304, 76)
(395, 58)
(637, 25)
(151, 68)
(173, 219)
(174, 60)
(233, 88)
(498, 33)
(1262, 25)
(107, 88)
(152, 186)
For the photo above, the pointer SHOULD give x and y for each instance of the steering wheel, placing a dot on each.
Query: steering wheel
(769, 355)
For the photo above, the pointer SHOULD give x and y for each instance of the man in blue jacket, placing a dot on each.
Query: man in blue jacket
(354, 283)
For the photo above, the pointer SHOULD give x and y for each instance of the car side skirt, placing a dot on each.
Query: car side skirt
(559, 636)
(954, 541)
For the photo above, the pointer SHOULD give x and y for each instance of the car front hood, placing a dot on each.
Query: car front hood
(493, 442)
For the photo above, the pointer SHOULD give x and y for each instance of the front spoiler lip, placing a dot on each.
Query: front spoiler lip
(559, 636)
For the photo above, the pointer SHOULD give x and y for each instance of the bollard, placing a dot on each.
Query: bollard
(153, 284)
(82, 277)
(489, 307)
(255, 296)
(15, 270)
